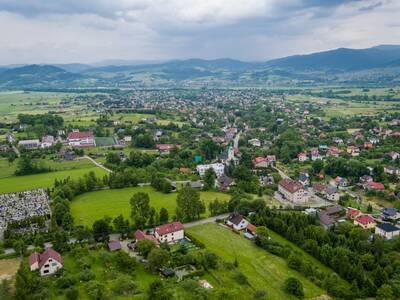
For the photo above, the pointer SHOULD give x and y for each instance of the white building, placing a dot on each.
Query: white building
(387, 230)
(218, 168)
(81, 139)
(293, 191)
(47, 141)
(255, 142)
(29, 144)
(169, 233)
(237, 222)
(49, 262)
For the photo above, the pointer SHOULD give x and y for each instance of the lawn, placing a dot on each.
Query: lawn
(92, 206)
(44, 180)
(263, 270)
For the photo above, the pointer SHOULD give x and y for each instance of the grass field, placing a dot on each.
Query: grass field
(263, 270)
(8, 267)
(44, 180)
(90, 207)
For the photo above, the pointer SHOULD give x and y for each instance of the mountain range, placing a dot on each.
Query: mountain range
(376, 65)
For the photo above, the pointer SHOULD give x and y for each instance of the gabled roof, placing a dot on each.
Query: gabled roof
(252, 228)
(376, 185)
(41, 259)
(365, 219)
(114, 245)
(290, 185)
(169, 228)
(235, 218)
(389, 211)
(388, 227)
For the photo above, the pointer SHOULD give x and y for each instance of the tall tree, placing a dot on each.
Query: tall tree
(188, 204)
(140, 209)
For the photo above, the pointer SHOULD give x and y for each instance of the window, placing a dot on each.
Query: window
(45, 271)
(46, 265)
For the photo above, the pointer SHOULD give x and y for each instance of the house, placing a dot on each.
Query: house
(228, 156)
(365, 179)
(391, 170)
(29, 144)
(302, 156)
(353, 150)
(223, 183)
(48, 262)
(319, 188)
(341, 182)
(264, 162)
(47, 141)
(254, 142)
(387, 230)
(169, 233)
(377, 186)
(389, 213)
(333, 151)
(304, 178)
(332, 193)
(166, 148)
(315, 154)
(140, 235)
(237, 222)
(266, 180)
(338, 140)
(114, 246)
(352, 213)
(330, 216)
(393, 155)
(365, 221)
(218, 168)
(293, 191)
(250, 231)
(82, 139)
(368, 145)
(197, 185)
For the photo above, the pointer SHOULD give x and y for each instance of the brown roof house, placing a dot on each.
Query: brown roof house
(169, 233)
(293, 191)
(48, 262)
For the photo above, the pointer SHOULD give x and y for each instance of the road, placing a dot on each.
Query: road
(281, 173)
(16, 151)
(97, 163)
(236, 140)
(205, 221)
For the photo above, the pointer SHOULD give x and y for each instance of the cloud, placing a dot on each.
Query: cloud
(90, 30)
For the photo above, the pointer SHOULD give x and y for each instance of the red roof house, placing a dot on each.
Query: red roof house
(376, 186)
(352, 213)
(49, 262)
(169, 233)
(365, 221)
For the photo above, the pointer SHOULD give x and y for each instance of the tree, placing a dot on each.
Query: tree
(121, 225)
(209, 179)
(164, 215)
(140, 209)
(157, 291)
(188, 204)
(144, 247)
(20, 247)
(124, 285)
(385, 292)
(60, 240)
(95, 290)
(72, 293)
(5, 290)
(294, 286)
(157, 258)
(102, 229)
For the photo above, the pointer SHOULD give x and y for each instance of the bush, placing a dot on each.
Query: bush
(240, 278)
(87, 275)
(260, 294)
(72, 293)
(294, 287)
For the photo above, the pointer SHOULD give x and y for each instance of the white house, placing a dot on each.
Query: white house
(78, 138)
(47, 141)
(387, 230)
(218, 168)
(332, 193)
(238, 222)
(29, 144)
(169, 233)
(254, 142)
(293, 191)
(49, 262)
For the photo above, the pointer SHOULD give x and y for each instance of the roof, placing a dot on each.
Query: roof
(74, 135)
(388, 227)
(114, 245)
(334, 210)
(166, 146)
(389, 211)
(41, 259)
(24, 142)
(252, 228)
(290, 185)
(140, 235)
(364, 219)
(353, 211)
(235, 218)
(169, 228)
(376, 185)
(330, 189)
(325, 219)
(319, 187)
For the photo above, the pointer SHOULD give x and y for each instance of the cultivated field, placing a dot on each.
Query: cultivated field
(90, 207)
(8, 267)
(263, 270)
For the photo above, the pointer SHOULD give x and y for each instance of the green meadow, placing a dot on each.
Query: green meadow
(263, 270)
(92, 206)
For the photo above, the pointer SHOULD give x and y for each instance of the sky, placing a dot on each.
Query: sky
(87, 31)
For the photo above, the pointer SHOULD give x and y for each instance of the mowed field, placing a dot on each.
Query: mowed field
(263, 270)
(44, 180)
(93, 206)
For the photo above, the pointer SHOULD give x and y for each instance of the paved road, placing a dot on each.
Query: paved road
(97, 164)
(205, 221)
(16, 151)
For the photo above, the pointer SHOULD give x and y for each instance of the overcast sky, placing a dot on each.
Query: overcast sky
(63, 31)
